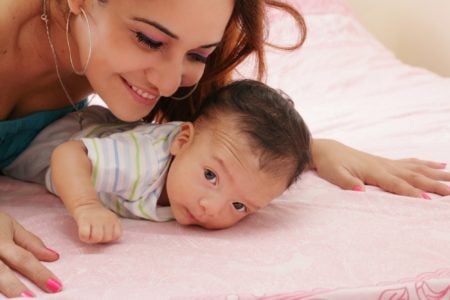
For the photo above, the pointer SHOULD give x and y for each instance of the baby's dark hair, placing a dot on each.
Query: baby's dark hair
(268, 117)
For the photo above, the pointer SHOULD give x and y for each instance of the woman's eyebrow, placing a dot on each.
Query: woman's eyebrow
(168, 32)
(158, 26)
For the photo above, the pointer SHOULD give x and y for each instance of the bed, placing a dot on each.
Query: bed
(316, 241)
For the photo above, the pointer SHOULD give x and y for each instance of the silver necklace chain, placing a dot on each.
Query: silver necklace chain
(44, 17)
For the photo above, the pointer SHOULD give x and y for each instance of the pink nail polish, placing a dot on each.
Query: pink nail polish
(53, 251)
(443, 165)
(425, 196)
(357, 188)
(54, 285)
(27, 294)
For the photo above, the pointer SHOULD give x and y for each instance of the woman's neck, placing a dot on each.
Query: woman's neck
(27, 67)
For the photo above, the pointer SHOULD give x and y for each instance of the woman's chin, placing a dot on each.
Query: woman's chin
(129, 115)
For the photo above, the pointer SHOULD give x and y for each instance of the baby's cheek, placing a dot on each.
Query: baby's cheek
(235, 221)
(221, 224)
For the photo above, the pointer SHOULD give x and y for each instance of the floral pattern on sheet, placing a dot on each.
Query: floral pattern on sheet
(395, 294)
(426, 292)
(426, 286)
(420, 290)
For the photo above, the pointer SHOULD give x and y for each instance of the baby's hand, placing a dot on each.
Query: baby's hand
(97, 224)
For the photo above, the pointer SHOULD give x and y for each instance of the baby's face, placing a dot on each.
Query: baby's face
(214, 180)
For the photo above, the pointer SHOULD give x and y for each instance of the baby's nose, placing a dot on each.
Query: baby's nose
(212, 206)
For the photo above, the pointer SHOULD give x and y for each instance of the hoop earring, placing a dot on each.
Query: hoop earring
(187, 95)
(83, 71)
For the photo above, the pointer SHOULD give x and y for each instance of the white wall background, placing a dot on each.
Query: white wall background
(417, 31)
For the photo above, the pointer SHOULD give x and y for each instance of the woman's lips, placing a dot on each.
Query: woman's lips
(142, 96)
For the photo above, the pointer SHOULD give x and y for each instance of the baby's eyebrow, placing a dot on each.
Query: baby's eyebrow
(223, 166)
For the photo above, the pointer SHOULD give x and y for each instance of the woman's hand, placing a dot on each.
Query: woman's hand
(21, 250)
(351, 169)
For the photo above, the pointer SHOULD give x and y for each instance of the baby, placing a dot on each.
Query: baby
(246, 146)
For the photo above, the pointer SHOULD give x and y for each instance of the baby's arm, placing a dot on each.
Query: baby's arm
(71, 173)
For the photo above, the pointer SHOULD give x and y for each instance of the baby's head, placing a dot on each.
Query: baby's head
(246, 145)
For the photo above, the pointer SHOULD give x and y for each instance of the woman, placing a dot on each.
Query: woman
(142, 57)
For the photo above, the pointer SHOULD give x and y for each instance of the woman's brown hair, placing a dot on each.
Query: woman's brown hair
(246, 34)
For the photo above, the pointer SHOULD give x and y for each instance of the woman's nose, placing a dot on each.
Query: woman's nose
(166, 76)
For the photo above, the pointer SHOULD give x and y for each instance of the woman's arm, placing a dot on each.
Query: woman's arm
(351, 169)
(71, 172)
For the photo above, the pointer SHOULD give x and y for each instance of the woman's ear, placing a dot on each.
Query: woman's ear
(183, 139)
(75, 5)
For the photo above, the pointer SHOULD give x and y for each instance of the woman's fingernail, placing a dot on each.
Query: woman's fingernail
(54, 285)
(443, 165)
(27, 294)
(53, 251)
(425, 196)
(357, 188)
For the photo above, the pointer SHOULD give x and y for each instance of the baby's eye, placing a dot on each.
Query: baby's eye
(210, 176)
(239, 207)
(148, 42)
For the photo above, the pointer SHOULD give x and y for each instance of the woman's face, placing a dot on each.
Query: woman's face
(145, 49)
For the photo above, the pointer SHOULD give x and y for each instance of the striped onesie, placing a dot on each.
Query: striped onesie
(129, 161)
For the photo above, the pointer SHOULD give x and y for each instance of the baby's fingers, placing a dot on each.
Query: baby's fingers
(91, 233)
(84, 231)
(99, 233)
(112, 232)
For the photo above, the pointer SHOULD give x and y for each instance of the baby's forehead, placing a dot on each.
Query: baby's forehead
(239, 137)
(233, 149)
(218, 126)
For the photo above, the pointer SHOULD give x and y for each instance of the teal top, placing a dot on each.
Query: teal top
(17, 134)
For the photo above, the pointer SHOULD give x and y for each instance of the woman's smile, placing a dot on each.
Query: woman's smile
(142, 96)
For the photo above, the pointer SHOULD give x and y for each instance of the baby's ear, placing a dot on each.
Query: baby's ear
(183, 139)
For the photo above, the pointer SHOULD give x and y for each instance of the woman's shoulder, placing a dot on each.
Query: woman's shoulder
(13, 15)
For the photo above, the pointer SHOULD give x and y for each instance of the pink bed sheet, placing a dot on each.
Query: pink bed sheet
(314, 242)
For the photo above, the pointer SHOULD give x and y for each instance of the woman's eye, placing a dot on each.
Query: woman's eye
(199, 58)
(210, 176)
(148, 42)
(239, 207)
